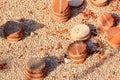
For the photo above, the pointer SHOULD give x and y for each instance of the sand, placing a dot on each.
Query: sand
(43, 37)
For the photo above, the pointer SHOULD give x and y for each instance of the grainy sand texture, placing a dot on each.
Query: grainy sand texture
(45, 37)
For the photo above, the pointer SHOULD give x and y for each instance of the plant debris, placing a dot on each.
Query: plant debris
(30, 12)
(59, 45)
(61, 31)
(56, 32)
(2, 66)
(87, 14)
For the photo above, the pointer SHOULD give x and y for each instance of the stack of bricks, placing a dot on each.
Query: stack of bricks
(35, 69)
(60, 10)
(77, 51)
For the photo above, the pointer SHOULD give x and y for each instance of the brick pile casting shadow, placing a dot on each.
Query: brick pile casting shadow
(29, 26)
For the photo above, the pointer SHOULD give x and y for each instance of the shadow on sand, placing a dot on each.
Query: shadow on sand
(52, 63)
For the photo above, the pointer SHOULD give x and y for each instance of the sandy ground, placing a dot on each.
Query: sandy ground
(44, 40)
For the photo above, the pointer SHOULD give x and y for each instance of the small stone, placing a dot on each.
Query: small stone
(75, 3)
(80, 32)
(32, 34)
(67, 60)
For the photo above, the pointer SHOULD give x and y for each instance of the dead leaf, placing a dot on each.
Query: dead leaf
(87, 14)
(2, 66)
(111, 54)
(44, 7)
(1, 53)
(74, 76)
(64, 76)
(113, 72)
(46, 54)
(61, 31)
(30, 12)
(98, 43)
(22, 19)
(41, 49)
(59, 46)
(100, 57)
(20, 56)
